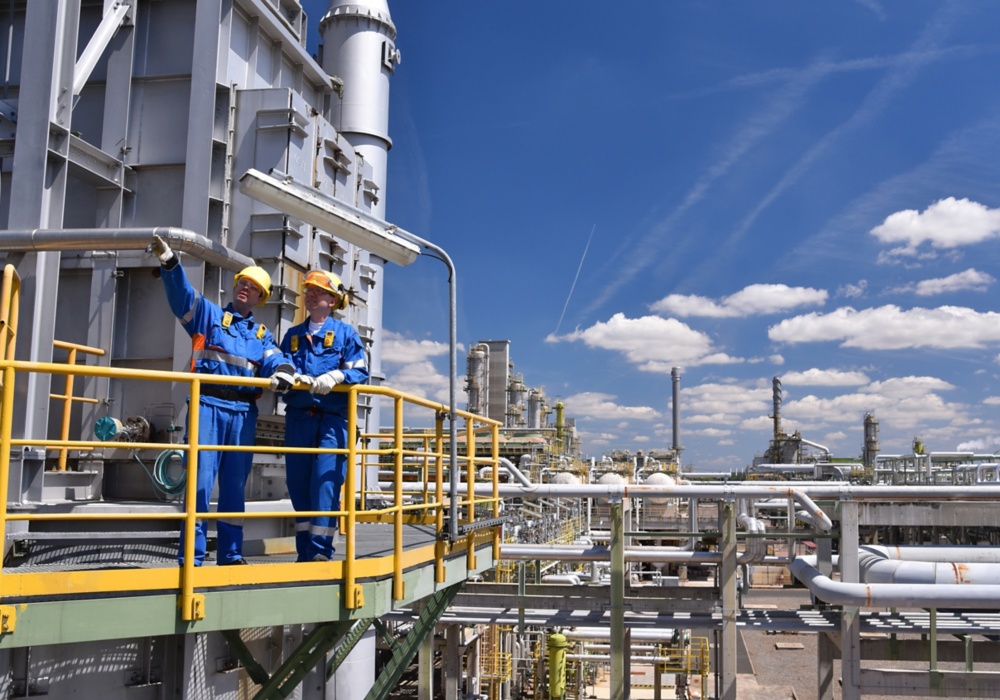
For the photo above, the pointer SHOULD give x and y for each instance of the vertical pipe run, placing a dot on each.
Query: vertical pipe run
(675, 379)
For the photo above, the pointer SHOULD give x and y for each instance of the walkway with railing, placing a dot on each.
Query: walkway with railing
(395, 553)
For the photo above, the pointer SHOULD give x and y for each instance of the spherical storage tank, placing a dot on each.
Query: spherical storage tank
(659, 479)
(565, 478)
(611, 479)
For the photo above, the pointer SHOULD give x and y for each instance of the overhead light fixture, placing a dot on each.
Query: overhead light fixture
(324, 212)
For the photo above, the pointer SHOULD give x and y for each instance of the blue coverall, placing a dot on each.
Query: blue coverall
(223, 342)
(315, 480)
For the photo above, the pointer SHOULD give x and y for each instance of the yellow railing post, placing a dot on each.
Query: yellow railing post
(10, 302)
(353, 593)
(67, 396)
(440, 546)
(397, 492)
(495, 456)
(10, 294)
(192, 606)
(470, 491)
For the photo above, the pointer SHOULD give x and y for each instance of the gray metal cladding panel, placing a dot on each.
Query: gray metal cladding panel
(88, 114)
(158, 122)
(81, 205)
(164, 37)
(159, 197)
(13, 49)
(144, 325)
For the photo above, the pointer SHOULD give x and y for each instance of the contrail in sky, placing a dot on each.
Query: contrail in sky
(573, 286)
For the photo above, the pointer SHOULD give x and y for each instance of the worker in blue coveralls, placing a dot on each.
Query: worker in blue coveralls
(225, 342)
(327, 352)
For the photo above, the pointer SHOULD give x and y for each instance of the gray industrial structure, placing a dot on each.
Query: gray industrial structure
(211, 124)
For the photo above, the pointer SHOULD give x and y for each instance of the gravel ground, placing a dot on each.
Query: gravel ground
(784, 669)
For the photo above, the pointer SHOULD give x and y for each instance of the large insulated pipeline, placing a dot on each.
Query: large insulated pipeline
(621, 491)
(651, 555)
(892, 595)
(51, 240)
(967, 565)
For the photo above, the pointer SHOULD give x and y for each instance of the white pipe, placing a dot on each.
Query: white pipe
(571, 579)
(619, 491)
(585, 633)
(816, 445)
(124, 239)
(890, 595)
(516, 473)
(666, 555)
(940, 565)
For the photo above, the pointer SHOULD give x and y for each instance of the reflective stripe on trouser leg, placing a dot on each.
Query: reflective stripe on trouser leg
(234, 468)
(314, 481)
(208, 466)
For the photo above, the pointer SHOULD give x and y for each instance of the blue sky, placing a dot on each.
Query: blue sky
(742, 190)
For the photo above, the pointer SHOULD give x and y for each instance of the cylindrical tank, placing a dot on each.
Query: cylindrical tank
(477, 382)
(359, 48)
(535, 402)
(557, 666)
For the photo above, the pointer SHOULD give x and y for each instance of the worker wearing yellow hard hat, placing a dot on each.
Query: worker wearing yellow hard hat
(229, 343)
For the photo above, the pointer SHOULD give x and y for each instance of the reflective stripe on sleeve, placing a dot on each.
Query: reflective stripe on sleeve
(186, 318)
(225, 358)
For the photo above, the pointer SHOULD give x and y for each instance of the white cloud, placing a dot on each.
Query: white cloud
(408, 367)
(603, 407)
(971, 280)
(397, 349)
(904, 403)
(891, 328)
(724, 404)
(853, 291)
(985, 445)
(824, 377)
(652, 343)
(753, 300)
(947, 223)
(422, 379)
(992, 401)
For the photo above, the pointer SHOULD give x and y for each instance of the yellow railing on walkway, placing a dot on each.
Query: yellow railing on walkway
(427, 504)
(67, 396)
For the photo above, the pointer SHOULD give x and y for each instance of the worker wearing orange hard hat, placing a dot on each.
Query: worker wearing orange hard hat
(327, 352)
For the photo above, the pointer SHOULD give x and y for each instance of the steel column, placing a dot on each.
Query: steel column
(38, 181)
(850, 634)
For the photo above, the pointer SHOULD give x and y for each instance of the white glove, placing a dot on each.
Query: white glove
(281, 381)
(160, 249)
(324, 383)
(302, 381)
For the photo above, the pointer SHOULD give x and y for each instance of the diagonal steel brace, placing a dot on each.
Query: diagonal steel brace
(404, 649)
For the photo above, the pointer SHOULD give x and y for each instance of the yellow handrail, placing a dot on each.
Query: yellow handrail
(67, 395)
(10, 296)
(428, 506)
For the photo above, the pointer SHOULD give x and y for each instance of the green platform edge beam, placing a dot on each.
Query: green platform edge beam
(70, 621)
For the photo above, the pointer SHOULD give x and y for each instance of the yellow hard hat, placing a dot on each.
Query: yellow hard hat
(259, 277)
(328, 282)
